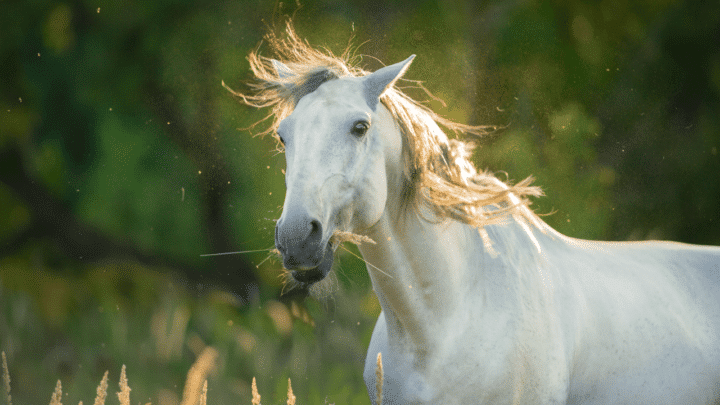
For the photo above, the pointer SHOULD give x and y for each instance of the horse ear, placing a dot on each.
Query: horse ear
(376, 83)
(283, 71)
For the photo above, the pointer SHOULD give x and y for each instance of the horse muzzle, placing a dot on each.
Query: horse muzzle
(299, 239)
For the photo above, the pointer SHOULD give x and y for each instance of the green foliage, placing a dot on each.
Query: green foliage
(122, 159)
(59, 326)
(149, 190)
(567, 156)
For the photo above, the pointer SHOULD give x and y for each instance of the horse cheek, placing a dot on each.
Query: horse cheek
(371, 198)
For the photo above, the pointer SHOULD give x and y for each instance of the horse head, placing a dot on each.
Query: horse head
(342, 149)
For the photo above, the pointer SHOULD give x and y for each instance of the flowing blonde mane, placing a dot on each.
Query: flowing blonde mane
(438, 172)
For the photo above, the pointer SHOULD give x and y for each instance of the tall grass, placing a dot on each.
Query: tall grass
(75, 325)
(6, 379)
(196, 385)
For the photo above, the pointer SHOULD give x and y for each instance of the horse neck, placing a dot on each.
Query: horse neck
(429, 276)
(420, 271)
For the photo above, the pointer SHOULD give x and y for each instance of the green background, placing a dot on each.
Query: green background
(123, 159)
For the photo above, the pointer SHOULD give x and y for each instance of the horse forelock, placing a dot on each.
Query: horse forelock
(439, 174)
(308, 83)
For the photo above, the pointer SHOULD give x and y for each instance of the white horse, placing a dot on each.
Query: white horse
(482, 302)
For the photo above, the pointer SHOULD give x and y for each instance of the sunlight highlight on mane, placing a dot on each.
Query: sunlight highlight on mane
(438, 173)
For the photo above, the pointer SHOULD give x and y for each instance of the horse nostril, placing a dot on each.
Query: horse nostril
(298, 239)
(315, 230)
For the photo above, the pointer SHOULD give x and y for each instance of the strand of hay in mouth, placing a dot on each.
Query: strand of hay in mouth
(339, 237)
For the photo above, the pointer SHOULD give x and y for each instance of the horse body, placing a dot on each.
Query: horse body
(647, 322)
(543, 319)
(470, 342)
(482, 302)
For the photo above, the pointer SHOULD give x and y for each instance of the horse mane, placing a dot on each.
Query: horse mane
(438, 173)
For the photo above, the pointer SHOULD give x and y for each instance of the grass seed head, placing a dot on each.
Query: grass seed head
(379, 380)
(124, 394)
(101, 392)
(255, 395)
(6, 379)
(56, 398)
(290, 395)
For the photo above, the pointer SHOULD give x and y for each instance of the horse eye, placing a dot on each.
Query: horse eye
(360, 128)
(282, 141)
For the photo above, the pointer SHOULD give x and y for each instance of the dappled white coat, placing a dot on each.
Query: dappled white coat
(532, 318)
(544, 319)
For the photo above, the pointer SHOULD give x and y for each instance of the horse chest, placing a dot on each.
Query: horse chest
(460, 370)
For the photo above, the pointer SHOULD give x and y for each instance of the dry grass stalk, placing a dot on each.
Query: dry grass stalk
(291, 396)
(124, 394)
(339, 237)
(203, 396)
(6, 379)
(101, 392)
(255, 395)
(56, 398)
(379, 380)
(197, 374)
